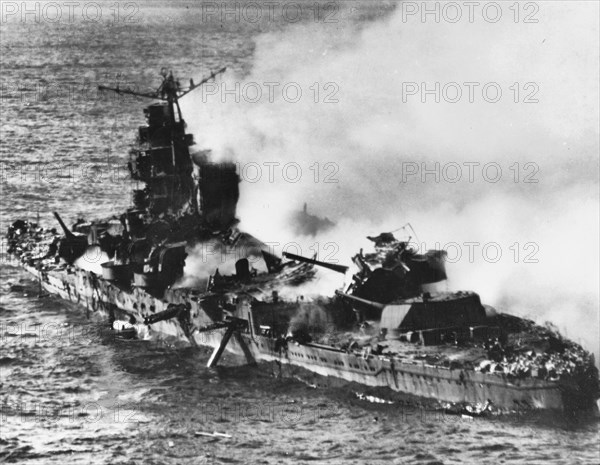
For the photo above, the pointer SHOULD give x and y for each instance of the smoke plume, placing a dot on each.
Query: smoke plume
(542, 211)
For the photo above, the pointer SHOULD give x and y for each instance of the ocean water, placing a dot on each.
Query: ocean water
(72, 393)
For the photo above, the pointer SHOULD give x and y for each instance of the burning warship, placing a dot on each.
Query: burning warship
(391, 330)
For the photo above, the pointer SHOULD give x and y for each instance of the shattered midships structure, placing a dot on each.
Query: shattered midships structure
(390, 332)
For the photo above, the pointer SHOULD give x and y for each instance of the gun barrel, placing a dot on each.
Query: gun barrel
(154, 96)
(172, 311)
(370, 303)
(331, 266)
(68, 233)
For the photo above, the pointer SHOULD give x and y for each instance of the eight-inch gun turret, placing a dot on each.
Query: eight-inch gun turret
(395, 270)
(71, 246)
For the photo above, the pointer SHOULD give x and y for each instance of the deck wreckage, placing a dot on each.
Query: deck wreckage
(389, 330)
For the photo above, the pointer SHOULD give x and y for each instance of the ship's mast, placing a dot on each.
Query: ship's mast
(169, 91)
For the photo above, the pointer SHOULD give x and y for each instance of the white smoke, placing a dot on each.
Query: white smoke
(372, 131)
(204, 259)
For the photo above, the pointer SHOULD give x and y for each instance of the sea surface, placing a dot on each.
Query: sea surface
(70, 392)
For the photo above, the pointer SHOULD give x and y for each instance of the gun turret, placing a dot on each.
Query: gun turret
(338, 268)
(71, 246)
(369, 303)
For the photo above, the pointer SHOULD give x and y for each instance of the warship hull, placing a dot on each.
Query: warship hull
(189, 203)
(423, 381)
